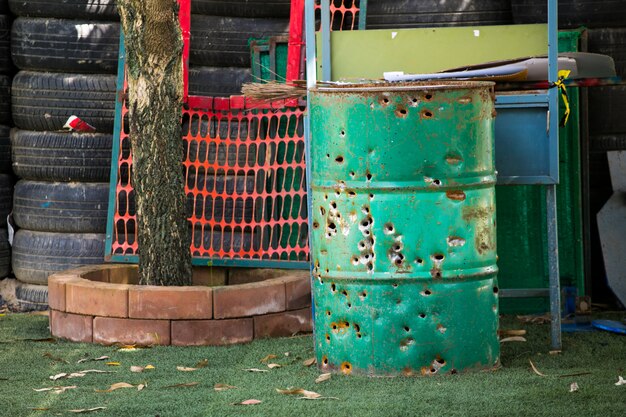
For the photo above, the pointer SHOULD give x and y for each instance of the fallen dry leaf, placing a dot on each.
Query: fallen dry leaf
(113, 364)
(54, 358)
(620, 381)
(101, 358)
(573, 387)
(185, 369)
(535, 319)
(256, 370)
(318, 398)
(309, 362)
(116, 386)
(274, 365)
(87, 410)
(554, 352)
(185, 385)
(202, 364)
(79, 374)
(505, 333)
(249, 402)
(513, 339)
(141, 386)
(268, 358)
(323, 377)
(223, 387)
(137, 369)
(128, 348)
(535, 370)
(149, 367)
(56, 390)
(287, 353)
(298, 391)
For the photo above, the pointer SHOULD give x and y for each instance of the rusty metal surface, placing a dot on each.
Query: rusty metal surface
(403, 228)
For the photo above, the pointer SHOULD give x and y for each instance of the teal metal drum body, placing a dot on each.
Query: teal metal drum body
(403, 228)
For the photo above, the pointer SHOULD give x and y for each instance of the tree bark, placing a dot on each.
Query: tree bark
(153, 42)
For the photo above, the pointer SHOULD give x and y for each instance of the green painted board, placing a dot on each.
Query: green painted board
(369, 53)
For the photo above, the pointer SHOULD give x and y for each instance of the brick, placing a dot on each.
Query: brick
(283, 324)
(56, 290)
(96, 298)
(96, 273)
(74, 327)
(297, 291)
(212, 332)
(238, 276)
(123, 274)
(249, 299)
(107, 331)
(209, 276)
(151, 302)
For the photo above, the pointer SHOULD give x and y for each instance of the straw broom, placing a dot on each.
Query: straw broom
(272, 90)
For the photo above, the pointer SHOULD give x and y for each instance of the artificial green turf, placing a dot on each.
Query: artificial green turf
(513, 390)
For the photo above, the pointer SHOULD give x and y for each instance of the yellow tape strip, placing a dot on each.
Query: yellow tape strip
(563, 74)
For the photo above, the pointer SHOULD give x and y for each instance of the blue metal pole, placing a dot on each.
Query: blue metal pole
(551, 209)
(325, 30)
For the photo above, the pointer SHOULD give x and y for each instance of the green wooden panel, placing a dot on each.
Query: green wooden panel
(369, 53)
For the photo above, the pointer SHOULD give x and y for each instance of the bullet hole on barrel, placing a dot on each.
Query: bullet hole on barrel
(428, 97)
(401, 112)
(316, 225)
(366, 210)
(322, 211)
(344, 292)
(328, 313)
(440, 360)
(414, 100)
(368, 176)
(352, 174)
(358, 335)
(438, 257)
(346, 368)
(327, 155)
(384, 101)
(389, 228)
(339, 159)
(363, 294)
(437, 182)
(327, 270)
(453, 371)
(399, 259)
(334, 326)
(397, 247)
(333, 205)
(349, 305)
(427, 114)
(370, 266)
(325, 360)
(332, 226)
(427, 292)
(435, 273)
(495, 290)
(354, 260)
(351, 193)
(333, 288)
(422, 316)
(357, 328)
(407, 329)
(394, 285)
(419, 261)
(327, 337)
(371, 196)
(342, 133)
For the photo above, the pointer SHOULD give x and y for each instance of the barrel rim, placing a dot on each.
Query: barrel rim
(400, 87)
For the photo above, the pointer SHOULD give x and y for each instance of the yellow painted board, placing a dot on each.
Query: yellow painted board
(369, 53)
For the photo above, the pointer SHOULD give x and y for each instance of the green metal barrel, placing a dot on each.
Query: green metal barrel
(403, 228)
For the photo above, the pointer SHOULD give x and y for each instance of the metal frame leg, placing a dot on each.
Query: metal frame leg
(553, 263)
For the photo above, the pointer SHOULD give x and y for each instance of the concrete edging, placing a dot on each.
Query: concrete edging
(103, 304)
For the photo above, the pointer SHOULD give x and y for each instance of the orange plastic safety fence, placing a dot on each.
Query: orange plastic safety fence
(344, 14)
(245, 182)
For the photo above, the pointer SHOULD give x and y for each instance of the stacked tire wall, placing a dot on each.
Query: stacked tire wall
(66, 55)
(219, 56)
(6, 177)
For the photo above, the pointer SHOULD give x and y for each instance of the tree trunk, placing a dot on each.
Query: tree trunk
(154, 47)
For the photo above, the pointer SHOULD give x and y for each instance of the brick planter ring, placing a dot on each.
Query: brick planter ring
(102, 304)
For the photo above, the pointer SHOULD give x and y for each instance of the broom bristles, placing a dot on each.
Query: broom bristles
(273, 90)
